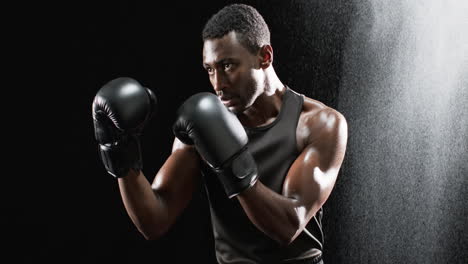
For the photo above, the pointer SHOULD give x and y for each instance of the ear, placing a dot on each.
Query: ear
(266, 56)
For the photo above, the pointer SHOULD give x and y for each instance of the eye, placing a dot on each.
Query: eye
(209, 70)
(227, 66)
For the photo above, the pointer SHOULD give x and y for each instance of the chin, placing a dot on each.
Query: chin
(236, 109)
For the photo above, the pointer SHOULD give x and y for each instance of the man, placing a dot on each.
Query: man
(269, 163)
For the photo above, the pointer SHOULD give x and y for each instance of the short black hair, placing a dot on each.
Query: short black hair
(246, 21)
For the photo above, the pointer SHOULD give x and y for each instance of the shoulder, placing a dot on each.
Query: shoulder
(319, 122)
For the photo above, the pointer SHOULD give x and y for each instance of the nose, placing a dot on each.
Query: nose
(219, 82)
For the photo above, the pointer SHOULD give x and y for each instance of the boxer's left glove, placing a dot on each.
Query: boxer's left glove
(220, 138)
(121, 108)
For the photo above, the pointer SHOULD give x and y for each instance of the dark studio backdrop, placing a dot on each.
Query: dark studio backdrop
(397, 71)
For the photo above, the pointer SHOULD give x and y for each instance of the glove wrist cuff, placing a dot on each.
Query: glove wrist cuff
(119, 158)
(238, 173)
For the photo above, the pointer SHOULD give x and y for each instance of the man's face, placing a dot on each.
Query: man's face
(234, 72)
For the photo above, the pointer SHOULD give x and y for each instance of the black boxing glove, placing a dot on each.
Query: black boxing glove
(121, 108)
(220, 139)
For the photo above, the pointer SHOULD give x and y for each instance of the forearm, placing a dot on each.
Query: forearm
(146, 210)
(279, 217)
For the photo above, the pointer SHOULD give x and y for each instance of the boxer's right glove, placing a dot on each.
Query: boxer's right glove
(121, 108)
(219, 138)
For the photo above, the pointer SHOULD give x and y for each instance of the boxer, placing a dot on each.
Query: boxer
(268, 155)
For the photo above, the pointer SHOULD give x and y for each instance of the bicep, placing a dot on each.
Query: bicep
(312, 176)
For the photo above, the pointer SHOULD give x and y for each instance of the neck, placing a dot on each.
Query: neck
(267, 105)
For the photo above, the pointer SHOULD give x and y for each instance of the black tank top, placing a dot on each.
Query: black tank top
(237, 239)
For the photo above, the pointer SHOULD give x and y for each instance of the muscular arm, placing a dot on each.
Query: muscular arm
(154, 208)
(308, 183)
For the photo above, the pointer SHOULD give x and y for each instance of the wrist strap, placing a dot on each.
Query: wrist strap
(238, 173)
(121, 157)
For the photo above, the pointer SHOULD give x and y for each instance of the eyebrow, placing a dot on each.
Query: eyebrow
(220, 61)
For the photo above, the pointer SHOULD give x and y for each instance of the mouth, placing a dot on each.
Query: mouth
(227, 100)
(228, 103)
(224, 96)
